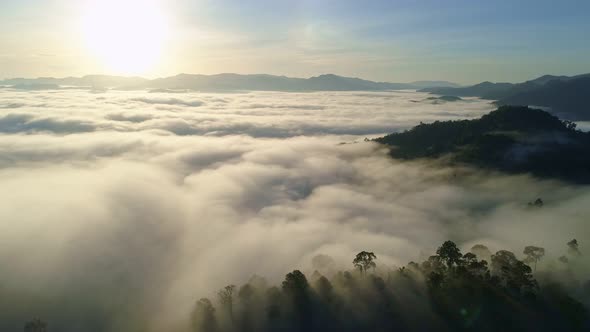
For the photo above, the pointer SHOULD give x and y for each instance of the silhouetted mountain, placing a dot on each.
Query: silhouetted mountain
(565, 96)
(434, 84)
(91, 81)
(36, 86)
(444, 98)
(228, 82)
(511, 139)
(487, 90)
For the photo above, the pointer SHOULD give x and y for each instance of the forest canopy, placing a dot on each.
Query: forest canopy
(449, 291)
(512, 139)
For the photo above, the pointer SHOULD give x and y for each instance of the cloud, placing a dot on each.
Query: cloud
(137, 118)
(289, 107)
(170, 101)
(257, 114)
(126, 222)
(12, 106)
(24, 123)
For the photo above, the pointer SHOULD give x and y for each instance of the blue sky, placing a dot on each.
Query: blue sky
(396, 40)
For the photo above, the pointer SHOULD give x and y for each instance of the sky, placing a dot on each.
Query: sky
(463, 41)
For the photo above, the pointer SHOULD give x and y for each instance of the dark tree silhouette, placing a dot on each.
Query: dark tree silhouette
(246, 297)
(246, 293)
(324, 289)
(36, 325)
(445, 293)
(203, 317)
(449, 253)
(433, 264)
(514, 274)
(573, 248)
(364, 260)
(297, 290)
(273, 304)
(226, 298)
(295, 283)
(537, 203)
(533, 255)
(473, 266)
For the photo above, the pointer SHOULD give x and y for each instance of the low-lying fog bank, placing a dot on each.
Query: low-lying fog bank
(121, 208)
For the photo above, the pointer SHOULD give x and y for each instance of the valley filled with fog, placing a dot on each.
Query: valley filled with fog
(125, 205)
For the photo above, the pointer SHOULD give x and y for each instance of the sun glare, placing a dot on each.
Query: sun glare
(125, 36)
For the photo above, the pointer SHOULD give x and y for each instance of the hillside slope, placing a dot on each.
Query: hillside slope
(511, 139)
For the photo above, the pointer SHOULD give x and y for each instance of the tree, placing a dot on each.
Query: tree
(573, 248)
(435, 279)
(246, 293)
(515, 274)
(473, 266)
(324, 289)
(364, 260)
(533, 254)
(295, 283)
(481, 251)
(449, 253)
(203, 316)
(570, 124)
(537, 203)
(296, 287)
(433, 264)
(226, 297)
(36, 325)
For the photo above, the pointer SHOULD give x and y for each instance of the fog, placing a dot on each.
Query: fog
(120, 209)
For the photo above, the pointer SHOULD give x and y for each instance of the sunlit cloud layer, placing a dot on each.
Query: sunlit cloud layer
(262, 114)
(125, 207)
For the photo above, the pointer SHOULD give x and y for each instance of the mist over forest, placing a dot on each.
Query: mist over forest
(126, 208)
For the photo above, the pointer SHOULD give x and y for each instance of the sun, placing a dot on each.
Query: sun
(125, 36)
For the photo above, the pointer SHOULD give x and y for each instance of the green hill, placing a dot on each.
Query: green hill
(511, 139)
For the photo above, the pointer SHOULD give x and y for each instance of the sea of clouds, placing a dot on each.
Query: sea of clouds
(120, 209)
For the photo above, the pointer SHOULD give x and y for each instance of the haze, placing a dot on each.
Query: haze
(342, 168)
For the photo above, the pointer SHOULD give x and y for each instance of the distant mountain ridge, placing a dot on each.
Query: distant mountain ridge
(225, 82)
(566, 96)
(512, 139)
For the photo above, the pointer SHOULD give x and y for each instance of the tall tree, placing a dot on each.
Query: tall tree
(449, 253)
(296, 287)
(203, 316)
(226, 298)
(533, 255)
(473, 266)
(514, 274)
(364, 260)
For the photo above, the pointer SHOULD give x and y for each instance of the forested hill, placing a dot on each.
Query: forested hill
(449, 291)
(512, 139)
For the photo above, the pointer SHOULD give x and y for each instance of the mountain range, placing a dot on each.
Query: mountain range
(564, 96)
(222, 82)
